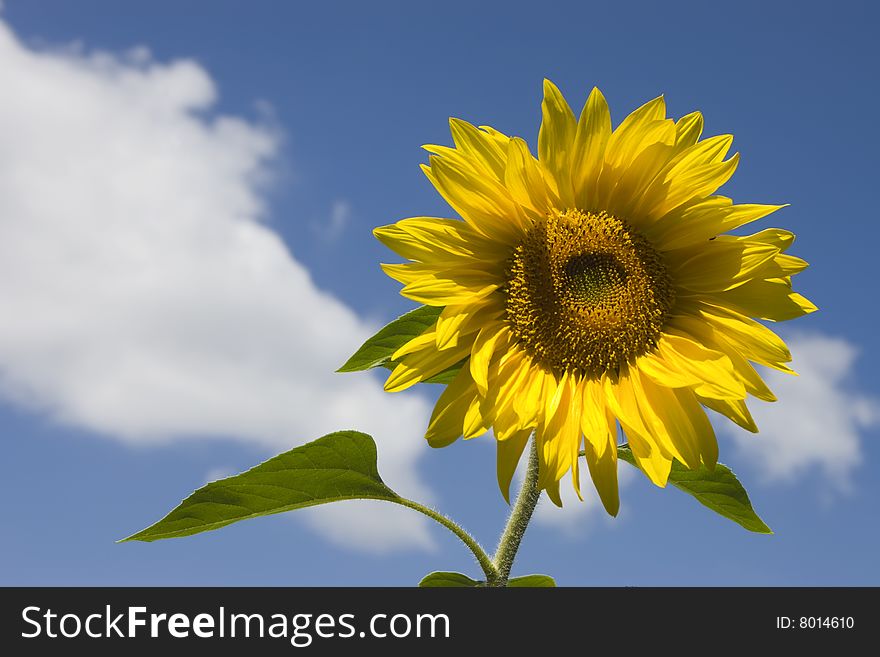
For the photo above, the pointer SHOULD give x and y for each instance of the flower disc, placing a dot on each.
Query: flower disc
(586, 293)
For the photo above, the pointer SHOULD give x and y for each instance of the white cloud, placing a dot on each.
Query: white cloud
(331, 229)
(142, 299)
(818, 422)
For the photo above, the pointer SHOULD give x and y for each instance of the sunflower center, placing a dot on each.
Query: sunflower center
(586, 293)
(592, 277)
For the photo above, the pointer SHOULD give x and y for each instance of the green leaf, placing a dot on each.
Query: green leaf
(449, 580)
(339, 466)
(531, 581)
(719, 490)
(457, 580)
(377, 350)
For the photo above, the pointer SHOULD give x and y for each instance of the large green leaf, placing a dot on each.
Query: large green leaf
(377, 351)
(457, 580)
(449, 580)
(719, 490)
(339, 466)
(531, 581)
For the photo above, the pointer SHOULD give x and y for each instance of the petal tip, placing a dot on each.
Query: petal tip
(612, 509)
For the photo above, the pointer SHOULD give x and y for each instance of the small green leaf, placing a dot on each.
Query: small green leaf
(531, 581)
(449, 580)
(339, 466)
(377, 351)
(719, 490)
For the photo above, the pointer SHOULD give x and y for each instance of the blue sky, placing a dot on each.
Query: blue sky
(186, 199)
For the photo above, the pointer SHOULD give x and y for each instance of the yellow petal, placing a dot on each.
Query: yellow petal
(431, 239)
(591, 137)
(556, 141)
(629, 160)
(483, 203)
(442, 287)
(734, 409)
(633, 180)
(697, 223)
(447, 419)
(688, 130)
(425, 340)
(753, 382)
(707, 335)
(524, 179)
(553, 493)
(499, 138)
(509, 374)
(556, 433)
(603, 472)
(755, 341)
(624, 142)
(576, 469)
(571, 437)
(669, 425)
(506, 422)
(649, 459)
(784, 265)
(481, 146)
(553, 394)
(708, 151)
(444, 292)
(702, 429)
(528, 400)
(423, 365)
(597, 421)
(600, 445)
(467, 276)
(482, 351)
(476, 420)
(681, 361)
(670, 192)
(458, 321)
(720, 264)
(649, 455)
(509, 453)
(449, 324)
(682, 163)
(765, 299)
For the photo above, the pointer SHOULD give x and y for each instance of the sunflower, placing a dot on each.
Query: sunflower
(591, 288)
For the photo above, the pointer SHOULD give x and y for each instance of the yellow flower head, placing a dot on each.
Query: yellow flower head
(592, 287)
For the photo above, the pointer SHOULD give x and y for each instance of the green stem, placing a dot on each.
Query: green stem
(518, 522)
(482, 558)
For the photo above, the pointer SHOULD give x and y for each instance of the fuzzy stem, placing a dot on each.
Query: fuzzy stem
(482, 558)
(518, 521)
